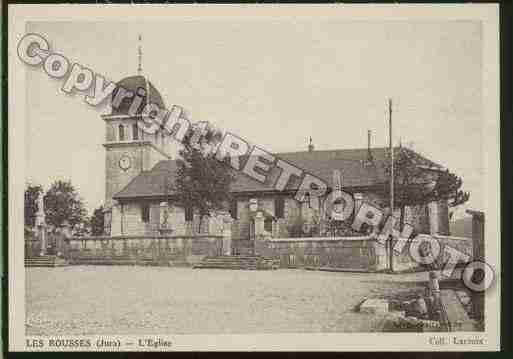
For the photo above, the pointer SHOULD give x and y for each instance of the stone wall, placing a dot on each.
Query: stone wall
(404, 261)
(351, 253)
(166, 250)
(358, 253)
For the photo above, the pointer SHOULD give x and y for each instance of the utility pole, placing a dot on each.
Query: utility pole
(391, 251)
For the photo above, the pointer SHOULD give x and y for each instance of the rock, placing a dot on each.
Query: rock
(417, 308)
(374, 306)
(430, 323)
(412, 320)
(421, 307)
(430, 326)
(408, 324)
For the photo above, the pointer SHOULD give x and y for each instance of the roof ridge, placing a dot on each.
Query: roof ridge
(335, 150)
(357, 173)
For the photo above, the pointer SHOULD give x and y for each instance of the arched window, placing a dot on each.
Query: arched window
(268, 225)
(135, 132)
(121, 129)
(145, 213)
(189, 214)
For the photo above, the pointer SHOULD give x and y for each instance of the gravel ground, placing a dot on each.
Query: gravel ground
(163, 300)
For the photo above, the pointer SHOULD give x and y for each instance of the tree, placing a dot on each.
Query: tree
(202, 183)
(32, 192)
(418, 181)
(62, 203)
(97, 222)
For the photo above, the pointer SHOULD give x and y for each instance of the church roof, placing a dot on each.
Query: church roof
(355, 170)
(132, 83)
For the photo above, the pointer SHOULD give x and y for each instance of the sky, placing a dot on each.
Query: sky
(273, 82)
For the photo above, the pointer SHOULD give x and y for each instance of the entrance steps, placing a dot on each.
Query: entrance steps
(49, 261)
(239, 262)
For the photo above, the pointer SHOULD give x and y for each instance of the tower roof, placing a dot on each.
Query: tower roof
(133, 83)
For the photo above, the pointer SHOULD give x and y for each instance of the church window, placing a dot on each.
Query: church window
(233, 208)
(135, 132)
(121, 129)
(189, 214)
(268, 225)
(279, 207)
(145, 212)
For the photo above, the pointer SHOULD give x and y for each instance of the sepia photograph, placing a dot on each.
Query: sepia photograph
(284, 175)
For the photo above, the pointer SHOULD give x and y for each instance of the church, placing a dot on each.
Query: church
(140, 167)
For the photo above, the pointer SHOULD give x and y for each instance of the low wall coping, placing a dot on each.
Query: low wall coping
(321, 239)
(439, 236)
(442, 237)
(359, 238)
(117, 238)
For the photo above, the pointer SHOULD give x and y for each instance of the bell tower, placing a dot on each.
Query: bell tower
(128, 152)
(128, 149)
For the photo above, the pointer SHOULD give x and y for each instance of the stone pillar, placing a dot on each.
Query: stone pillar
(379, 251)
(42, 238)
(259, 224)
(306, 212)
(433, 217)
(164, 215)
(226, 232)
(358, 200)
(205, 225)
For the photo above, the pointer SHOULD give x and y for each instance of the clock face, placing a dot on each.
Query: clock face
(125, 162)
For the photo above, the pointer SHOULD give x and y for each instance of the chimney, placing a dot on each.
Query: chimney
(310, 146)
(369, 152)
